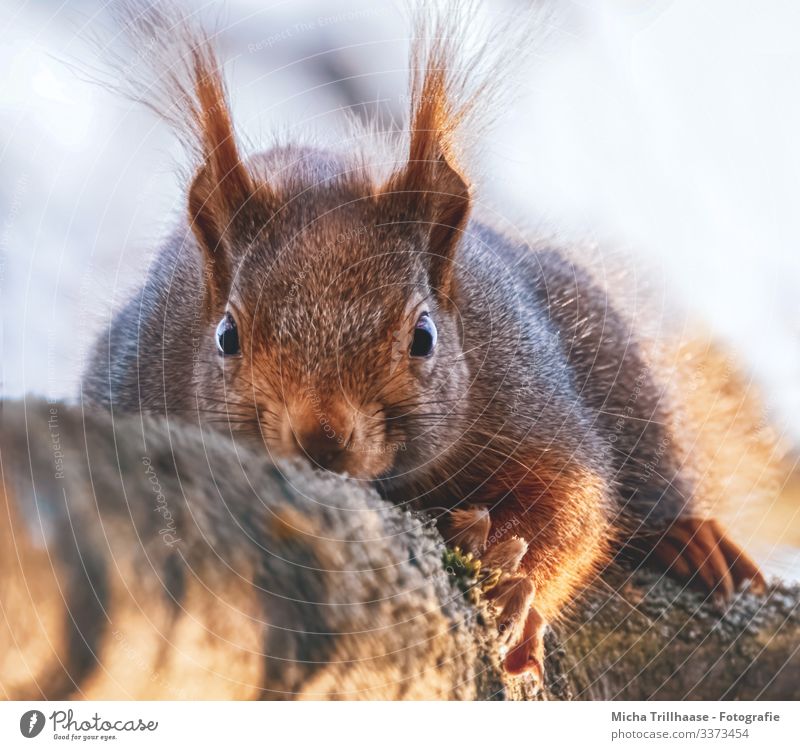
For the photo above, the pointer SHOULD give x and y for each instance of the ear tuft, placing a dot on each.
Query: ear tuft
(440, 100)
(222, 187)
(180, 79)
(453, 99)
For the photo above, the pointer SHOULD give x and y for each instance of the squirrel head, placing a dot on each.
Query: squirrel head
(330, 298)
(339, 323)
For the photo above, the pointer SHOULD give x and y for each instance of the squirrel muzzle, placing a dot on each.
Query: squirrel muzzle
(331, 433)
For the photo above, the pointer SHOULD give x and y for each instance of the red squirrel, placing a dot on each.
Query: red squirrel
(366, 320)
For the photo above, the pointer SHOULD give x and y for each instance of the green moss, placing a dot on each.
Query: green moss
(468, 574)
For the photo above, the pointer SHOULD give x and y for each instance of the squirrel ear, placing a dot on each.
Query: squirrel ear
(222, 187)
(439, 197)
(213, 207)
(181, 79)
(438, 192)
(451, 205)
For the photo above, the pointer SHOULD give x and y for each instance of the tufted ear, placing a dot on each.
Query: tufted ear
(439, 197)
(437, 193)
(180, 79)
(223, 191)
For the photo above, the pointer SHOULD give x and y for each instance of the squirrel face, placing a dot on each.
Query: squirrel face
(329, 288)
(333, 331)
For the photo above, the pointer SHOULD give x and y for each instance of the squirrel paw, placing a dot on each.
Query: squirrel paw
(511, 598)
(468, 528)
(699, 552)
(505, 556)
(526, 655)
(520, 625)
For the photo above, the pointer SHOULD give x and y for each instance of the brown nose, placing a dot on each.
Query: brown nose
(321, 430)
(323, 446)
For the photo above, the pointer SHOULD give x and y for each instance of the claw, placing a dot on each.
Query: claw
(742, 567)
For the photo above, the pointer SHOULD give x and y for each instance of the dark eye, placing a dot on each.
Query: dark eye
(228, 336)
(424, 337)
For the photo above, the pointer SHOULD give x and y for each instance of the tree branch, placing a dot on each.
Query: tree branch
(150, 559)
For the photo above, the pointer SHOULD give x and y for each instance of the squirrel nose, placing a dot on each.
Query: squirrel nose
(320, 431)
(323, 448)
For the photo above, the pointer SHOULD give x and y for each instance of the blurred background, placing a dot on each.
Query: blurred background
(666, 128)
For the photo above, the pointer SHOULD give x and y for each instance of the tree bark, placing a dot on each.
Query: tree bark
(644, 637)
(150, 559)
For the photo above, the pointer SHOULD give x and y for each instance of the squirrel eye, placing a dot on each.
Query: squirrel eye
(424, 337)
(228, 336)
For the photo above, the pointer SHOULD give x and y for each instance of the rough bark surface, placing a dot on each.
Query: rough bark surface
(653, 639)
(146, 559)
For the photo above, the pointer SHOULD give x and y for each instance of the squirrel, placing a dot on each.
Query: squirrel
(366, 320)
